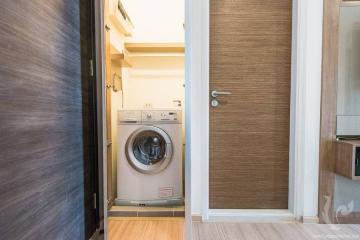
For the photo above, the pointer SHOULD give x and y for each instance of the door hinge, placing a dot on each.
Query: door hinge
(94, 198)
(91, 67)
(107, 28)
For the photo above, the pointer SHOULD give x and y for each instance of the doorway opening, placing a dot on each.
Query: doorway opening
(144, 97)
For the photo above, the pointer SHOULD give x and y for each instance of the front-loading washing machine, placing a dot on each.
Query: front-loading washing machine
(149, 160)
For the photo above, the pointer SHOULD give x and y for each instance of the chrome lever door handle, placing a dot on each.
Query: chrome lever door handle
(215, 93)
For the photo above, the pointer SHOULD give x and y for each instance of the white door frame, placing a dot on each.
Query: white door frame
(304, 125)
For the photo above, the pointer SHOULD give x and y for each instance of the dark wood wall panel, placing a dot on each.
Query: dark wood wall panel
(44, 101)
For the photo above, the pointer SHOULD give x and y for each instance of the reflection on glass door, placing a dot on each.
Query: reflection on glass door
(348, 99)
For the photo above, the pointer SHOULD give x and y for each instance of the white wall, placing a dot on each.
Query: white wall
(157, 20)
(154, 81)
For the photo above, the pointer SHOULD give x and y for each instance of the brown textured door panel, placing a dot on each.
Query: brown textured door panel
(250, 56)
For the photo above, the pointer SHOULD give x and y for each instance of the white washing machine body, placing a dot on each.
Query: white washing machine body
(149, 161)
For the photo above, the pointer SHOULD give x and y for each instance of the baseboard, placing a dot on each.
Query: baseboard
(353, 218)
(196, 218)
(249, 215)
(310, 219)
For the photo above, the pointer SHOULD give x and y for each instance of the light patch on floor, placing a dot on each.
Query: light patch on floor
(141, 228)
(273, 231)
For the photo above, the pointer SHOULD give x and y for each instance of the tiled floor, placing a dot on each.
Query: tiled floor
(274, 231)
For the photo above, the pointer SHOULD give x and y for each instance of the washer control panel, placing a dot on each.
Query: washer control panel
(149, 116)
(161, 116)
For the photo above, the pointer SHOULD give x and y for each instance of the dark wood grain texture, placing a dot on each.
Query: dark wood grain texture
(345, 158)
(89, 130)
(250, 56)
(328, 110)
(352, 218)
(45, 116)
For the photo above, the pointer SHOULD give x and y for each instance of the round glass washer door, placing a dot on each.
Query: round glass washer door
(149, 150)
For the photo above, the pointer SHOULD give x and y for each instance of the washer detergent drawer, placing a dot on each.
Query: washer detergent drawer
(129, 117)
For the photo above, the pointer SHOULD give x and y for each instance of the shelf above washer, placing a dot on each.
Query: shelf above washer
(156, 49)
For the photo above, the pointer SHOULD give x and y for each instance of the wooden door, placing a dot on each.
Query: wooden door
(250, 56)
(46, 120)
(108, 88)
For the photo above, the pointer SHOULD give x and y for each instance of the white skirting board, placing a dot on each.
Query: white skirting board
(196, 217)
(250, 215)
(310, 219)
